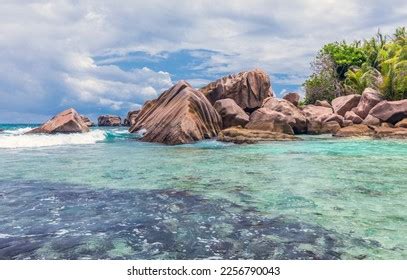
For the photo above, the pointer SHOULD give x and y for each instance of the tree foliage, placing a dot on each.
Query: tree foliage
(342, 68)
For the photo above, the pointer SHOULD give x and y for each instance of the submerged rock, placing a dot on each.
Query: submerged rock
(294, 116)
(68, 121)
(250, 136)
(179, 115)
(231, 113)
(357, 130)
(131, 118)
(343, 104)
(369, 99)
(292, 97)
(109, 120)
(390, 111)
(269, 120)
(248, 89)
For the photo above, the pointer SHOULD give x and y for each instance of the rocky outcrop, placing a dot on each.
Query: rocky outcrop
(68, 121)
(294, 116)
(370, 120)
(402, 124)
(323, 103)
(292, 97)
(109, 120)
(179, 115)
(269, 120)
(131, 118)
(347, 123)
(336, 118)
(357, 130)
(330, 127)
(390, 111)
(389, 132)
(231, 113)
(369, 99)
(248, 89)
(87, 121)
(250, 136)
(315, 116)
(343, 104)
(350, 115)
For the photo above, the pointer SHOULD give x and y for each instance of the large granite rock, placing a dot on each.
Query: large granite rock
(248, 89)
(315, 117)
(292, 97)
(294, 116)
(369, 99)
(336, 118)
(231, 113)
(357, 130)
(109, 120)
(343, 104)
(390, 111)
(370, 120)
(323, 103)
(350, 115)
(179, 115)
(269, 120)
(68, 121)
(87, 121)
(131, 118)
(402, 123)
(240, 135)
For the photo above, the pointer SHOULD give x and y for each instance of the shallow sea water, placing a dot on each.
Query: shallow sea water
(106, 195)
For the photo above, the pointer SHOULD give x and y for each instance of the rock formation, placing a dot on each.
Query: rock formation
(292, 97)
(402, 123)
(343, 104)
(350, 115)
(109, 120)
(87, 121)
(269, 120)
(323, 103)
(68, 121)
(390, 111)
(131, 118)
(356, 130)
(247, 89)
(370, 120)
(294, 116)
(231, 113)
(369, 99)
(250, 136)
(179, 115)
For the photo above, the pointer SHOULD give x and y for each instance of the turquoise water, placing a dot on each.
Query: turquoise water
(104, 194)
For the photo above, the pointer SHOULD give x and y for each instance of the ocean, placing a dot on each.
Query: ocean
(106, 195)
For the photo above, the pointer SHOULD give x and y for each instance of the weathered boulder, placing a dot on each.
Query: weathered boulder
(330, 127)
(87, 121)
(350, 115)
(370, 120)
(68, 121)
(343, 104)
(109, 120)
(390, 111)
(390, 132)
(402, 123)
(269, 120)
(248, 89)
(179, 115)
(369, 99)
(231, 113)
(292, 97)
(335, 117)
(131, 118)
(347, 123)
(315, 116)
(357, 130)
(240, 135)
(294, 116)
(323, 103)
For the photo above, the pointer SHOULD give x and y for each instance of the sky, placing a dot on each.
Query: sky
(111, 56)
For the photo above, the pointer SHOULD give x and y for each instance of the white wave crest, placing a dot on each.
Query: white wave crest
(46, 140)
(18, 131)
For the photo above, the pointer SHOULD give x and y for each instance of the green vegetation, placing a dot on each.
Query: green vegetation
(343, 68)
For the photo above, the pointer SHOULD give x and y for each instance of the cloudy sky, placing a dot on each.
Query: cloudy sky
(110, 56)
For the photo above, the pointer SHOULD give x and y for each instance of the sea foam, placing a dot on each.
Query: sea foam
(17, 139)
